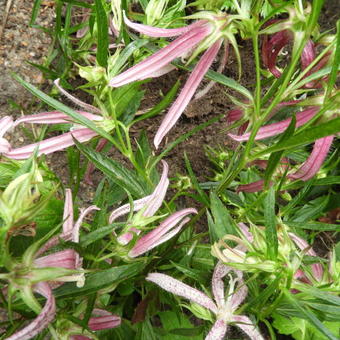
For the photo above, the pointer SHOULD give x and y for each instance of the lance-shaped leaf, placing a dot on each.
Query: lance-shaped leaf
(187, 92)
(314, 162)
(277, 128)
(181, 289)
(103, 319)
(161, 58)
(165, 231)
(46, 315)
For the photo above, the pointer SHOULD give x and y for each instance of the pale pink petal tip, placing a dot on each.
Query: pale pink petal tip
(247, 326)
(218, 331)
(46, 315)
(103, 320)
(181, 289)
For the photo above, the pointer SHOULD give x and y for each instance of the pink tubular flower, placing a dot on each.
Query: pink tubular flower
(148, 204)
(223, 307)
(57, 143)
(189, 38)
(100, 320)
(272, 46)
(277, 128)
(46, 315)
(164, 232)
(66, 259)
(314, 162)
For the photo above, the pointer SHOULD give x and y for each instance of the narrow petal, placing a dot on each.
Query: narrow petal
(245, 231)
(244, 323)
(6, 123)
(68, 212)
(162, 57)
(220, 271)
(126, 208)
(61, 259)
(54, 117)
(103, 320)
(75, 100)
(150, 203)
(308, 54)
(277, 128)
(317, 268)
(314, 162)
(218, 331)
(251, 187)
(76, 227)
(46, 315)
(167, 229)
(187, 92)
(157, 32)
(181, 289)
(234, 115)
(5, 147)
(53, 144)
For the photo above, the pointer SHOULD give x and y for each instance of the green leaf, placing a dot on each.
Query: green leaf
(317, 226)
(221, 223)
(115, 171)
(102, 34)
(308, 315)
(100, 280)
(96, 235)
(335, 64)
(270, 223)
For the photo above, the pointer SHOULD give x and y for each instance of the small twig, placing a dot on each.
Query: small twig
(4, 21)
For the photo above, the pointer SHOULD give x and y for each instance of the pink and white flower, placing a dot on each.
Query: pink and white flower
(224, 306)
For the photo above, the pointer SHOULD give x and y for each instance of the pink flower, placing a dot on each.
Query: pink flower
(46, 315)
(223, 307)
(100, 320)
(164, 232)
(65, 259)
(314, 162)
(189, 37)
(278, 128)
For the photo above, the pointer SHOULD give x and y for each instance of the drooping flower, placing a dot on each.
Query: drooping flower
(56, 267)
(148, 206)
(45, 316)
(53, 144)
(224, 306)
(273, 45)
(278, 128)
(208, 33)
